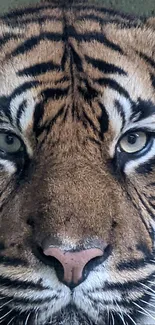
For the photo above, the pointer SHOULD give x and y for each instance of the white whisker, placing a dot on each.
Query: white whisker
(146, 313)
(26, 321)
(120, 314)
(4, 316)
(147, 303)
(111, 314)
(6, 303)
(36, 318)
(131, 318)
(148, 288)
(11, 320)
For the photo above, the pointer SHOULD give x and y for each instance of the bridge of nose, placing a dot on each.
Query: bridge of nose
(73, 262)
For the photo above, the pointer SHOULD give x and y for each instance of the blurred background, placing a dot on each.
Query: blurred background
(140, 7)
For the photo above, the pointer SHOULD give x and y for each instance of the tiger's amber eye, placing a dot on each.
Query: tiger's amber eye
(9, 143)
(133, 142)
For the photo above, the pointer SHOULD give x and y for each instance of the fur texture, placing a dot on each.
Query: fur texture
(74, 81)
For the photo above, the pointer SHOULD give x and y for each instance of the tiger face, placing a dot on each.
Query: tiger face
(77, 157)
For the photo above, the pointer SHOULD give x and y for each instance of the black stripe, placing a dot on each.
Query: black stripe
(120, 111)
(99, 37)
(26, 11)
(5, 101)
(104, 66)
(142, 109)
(152, 184)
(39, 68)
(146, 167)
(134, 264)
(125, 23)
(64, 59)
(54, 93)
(30, 43)
(25, 301)
(152, 77)
(23, 87)
(61, 80)
(88, 93)
(129, 285)
(152, 204)
(8, 37)
(113, 85)
(33, 41)
(111, 12)
(12, 283)
(8, 261)
(152, 197)
(33, 20)
(20, 111)
(149, 60)
(103, 119)
(49, 93)
(97, 301)
(47, 127)
(37, 117)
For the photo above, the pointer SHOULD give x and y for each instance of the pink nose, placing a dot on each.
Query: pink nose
(73, 262)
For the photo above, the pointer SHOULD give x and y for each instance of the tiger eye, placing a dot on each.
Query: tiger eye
(133, 142)
(9, 143)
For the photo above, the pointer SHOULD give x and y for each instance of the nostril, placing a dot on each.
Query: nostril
(94, 262)
(50, 261)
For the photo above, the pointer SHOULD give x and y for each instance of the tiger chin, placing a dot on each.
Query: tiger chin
(77, 166)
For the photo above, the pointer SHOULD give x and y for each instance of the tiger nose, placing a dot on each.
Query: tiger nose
(73, 263)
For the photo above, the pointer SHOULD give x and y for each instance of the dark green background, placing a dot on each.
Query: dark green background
(142, 7)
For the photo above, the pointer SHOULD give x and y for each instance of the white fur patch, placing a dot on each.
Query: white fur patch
(9, 166)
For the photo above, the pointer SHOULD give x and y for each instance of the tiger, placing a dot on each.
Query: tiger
(77, 166)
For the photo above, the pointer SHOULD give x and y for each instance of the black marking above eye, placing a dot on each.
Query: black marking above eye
(20, 111)
(142, 109)
(104, 66)
(111, 83)
(103, 120)
(30, 43)
(39, 68)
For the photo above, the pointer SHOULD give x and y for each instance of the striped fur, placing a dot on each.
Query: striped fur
(74, 79)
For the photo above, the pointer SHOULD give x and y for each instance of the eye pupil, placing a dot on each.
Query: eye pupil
(133, 142)
(132, 138)
(9, 139)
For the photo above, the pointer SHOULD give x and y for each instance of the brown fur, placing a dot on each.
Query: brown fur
(70, 192)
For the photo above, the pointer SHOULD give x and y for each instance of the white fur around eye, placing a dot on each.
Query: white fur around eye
(8, 166)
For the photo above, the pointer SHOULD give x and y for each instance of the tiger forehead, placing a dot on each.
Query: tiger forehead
(78, 65)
